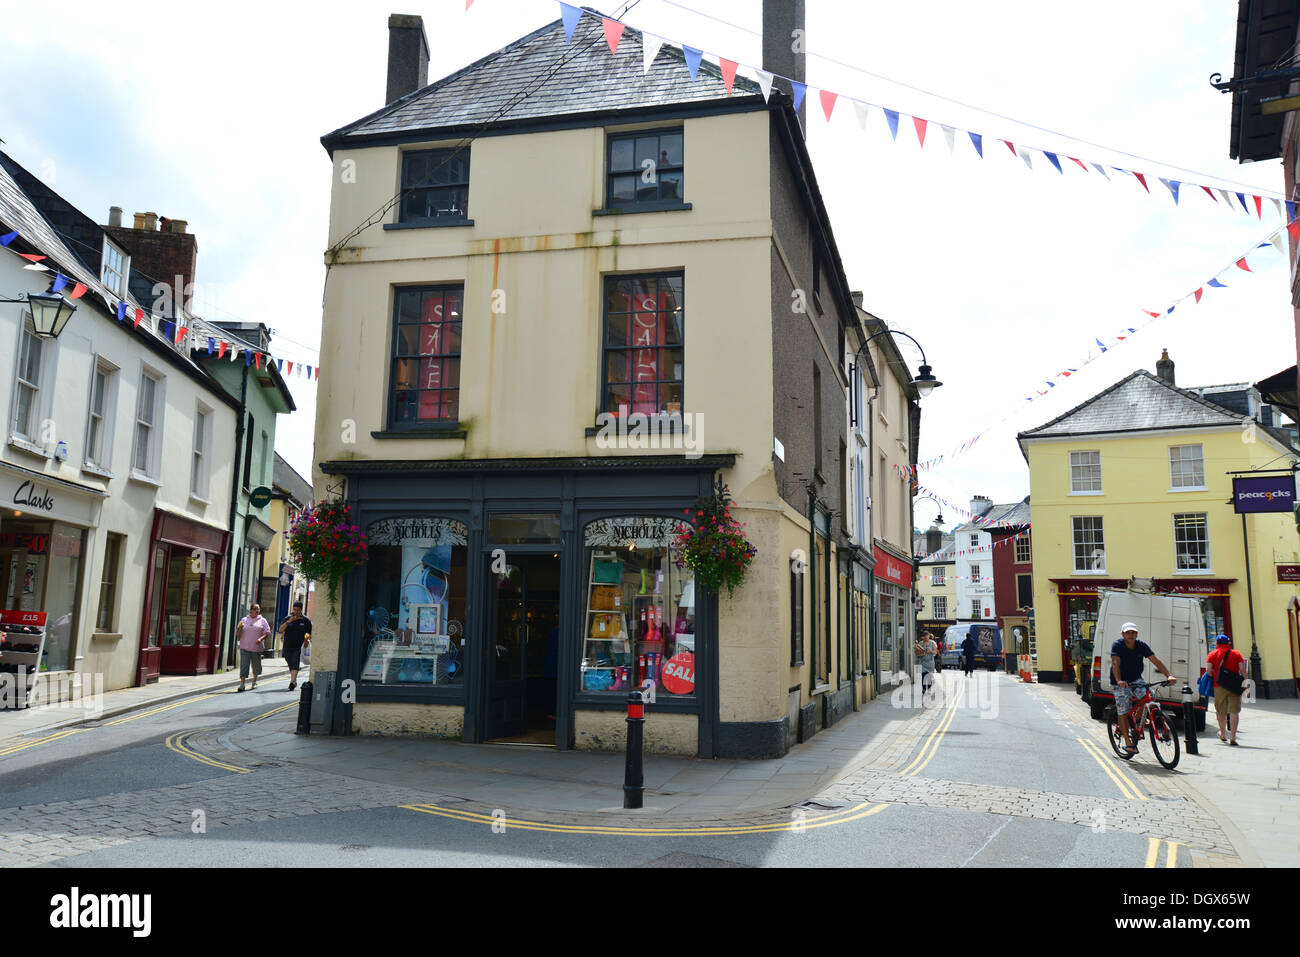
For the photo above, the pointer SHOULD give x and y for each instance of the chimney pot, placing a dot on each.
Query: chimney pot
(1165, 367)
(408, 56)
(115, 216)
(857, 299)
(177, 225)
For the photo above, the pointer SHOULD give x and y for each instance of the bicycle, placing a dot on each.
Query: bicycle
(1164, 739)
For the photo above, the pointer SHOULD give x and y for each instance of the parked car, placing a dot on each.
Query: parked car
(988, 645)
(1172, 625)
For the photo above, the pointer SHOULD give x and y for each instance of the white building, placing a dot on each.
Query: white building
(973, 550)
(115, 467)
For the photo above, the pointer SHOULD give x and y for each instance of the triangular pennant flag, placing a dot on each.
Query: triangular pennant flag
(1216, 284)
(613, 33)
(468, 4)
(318, 372)
(169, 330)
(570, 16)
(650, 46)
(728, 68)
(1102, 170)
(257, 359)
(1293, 228)
(7, 238)
(1103, 348)
(221, 349)
(765, 82)
(248, 357)
(1010, 146)
(1197, 294)
(1227, 198)
(891, 116)
(693, 57)
(1051, 158)
(121, 311)
(920, 129)
(828, 102)
(309, 372)
(1024, 155)
(1241, 197)
(1259, 206)
(1241, 264)
(37, 267)
(1278, 242)
(139, 318)
(60, 281)
(1290, 210)
(1143, 180)
(1153, 315)
(1171, 185)
(234, 352)
(863, 111)
(79, 290)
(291, 367)
(211, 344)
(978, 140)
(949, 135)
(1171, 309)
(1277, 204)
(797, 90)
(181, 335)
(1210, 193)
(1082, 165)
(279, 365)
(31, 257)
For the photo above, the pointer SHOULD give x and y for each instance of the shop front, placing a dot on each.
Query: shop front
(893, 575)
(521, 605)
(180, 628)
(45, 527)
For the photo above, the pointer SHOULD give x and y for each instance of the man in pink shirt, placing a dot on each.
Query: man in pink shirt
(251, 632)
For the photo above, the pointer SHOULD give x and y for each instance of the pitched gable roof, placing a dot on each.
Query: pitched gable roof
(540, 77)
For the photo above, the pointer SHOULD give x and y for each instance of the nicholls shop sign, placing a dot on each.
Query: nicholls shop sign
(1269, 493)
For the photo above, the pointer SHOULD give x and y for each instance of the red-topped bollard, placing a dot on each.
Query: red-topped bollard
(633, 775)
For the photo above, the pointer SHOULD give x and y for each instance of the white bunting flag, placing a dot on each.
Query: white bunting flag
(1277, 204)
(650, 45)
(765, 81)
(1024, 155)
(1227, 197)
(948, 134)
(863, 111)
(1102, 170)
(1278, 239)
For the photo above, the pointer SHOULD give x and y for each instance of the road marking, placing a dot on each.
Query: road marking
(1153, 851)
(271, 713)
(177, 743)
(471, 817)
(14, 749)
(932, 742)
(1127, 788)
(166, 707)
(1172, 860)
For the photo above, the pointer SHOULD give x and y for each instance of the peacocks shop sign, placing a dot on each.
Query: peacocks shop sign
(1269, 493)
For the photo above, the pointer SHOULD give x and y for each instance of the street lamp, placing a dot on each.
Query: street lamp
(925, 382)
(50, 312)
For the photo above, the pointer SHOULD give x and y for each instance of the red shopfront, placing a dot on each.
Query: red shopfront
(1080, 602)
(893, 578)
(180, 627)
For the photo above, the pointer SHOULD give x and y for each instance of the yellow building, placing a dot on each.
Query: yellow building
(565, 325)
(936, 582)
(1137, 482)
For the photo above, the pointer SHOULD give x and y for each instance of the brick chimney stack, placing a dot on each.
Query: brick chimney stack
(781, 18)
(408, 56)
(161, 254)
(1165, 367)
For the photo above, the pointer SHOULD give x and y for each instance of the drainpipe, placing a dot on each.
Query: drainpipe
(234, 509)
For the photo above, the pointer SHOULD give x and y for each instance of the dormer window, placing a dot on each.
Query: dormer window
(435, 186)
(112, 271)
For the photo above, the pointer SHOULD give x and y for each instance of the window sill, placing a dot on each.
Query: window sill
(1189, 488)
(432, 223)
(31, 448)
(200, 499)
(144, 479)
(1086, 493)
(660, 207)
(1099, 573)
(90, 468)
(105, 636)
(427, 432)
(1193, 572)
(819, 689)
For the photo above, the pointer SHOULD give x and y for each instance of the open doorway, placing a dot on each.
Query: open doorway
(523, 653)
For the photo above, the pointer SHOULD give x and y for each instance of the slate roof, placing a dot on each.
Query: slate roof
(284, 476)
(540, 77)
(998, 516)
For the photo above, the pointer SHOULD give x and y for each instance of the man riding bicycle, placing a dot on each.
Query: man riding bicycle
(1127, 655)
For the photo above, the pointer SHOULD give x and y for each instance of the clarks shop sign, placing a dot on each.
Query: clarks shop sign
(1269, 493)
(36, 499)
(30, 498)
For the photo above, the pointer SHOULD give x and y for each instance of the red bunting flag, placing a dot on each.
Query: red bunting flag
(1011, 147)
(1083, 166)
(828, 102)
(1293, 228)
(180, 333)
(31, 256)
(1241, 264)
(1209, 192)
(290, 365)
(78, 291)
(613, 31)
(1259, 206)
(468, 4)
(728, 72)
(221, 349)
(920, 129)
(139, 318)
(1153, 315)
(1143, 180)
(1197, 294)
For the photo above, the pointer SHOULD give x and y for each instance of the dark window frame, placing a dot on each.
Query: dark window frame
(659, 202)
(1020, 591)
(604, 403)
(796, 616)
(439, 157)
(397, 423)
(109, 579)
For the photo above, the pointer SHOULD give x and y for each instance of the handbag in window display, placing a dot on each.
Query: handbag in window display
(640, 621)
(415, 602)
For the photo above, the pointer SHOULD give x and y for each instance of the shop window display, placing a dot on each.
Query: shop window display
(40, 570)
(639, 624)
(415, 602)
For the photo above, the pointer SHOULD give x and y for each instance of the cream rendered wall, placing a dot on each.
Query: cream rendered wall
(1137, 505)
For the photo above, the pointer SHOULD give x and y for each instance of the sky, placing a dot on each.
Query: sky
(1006, 276)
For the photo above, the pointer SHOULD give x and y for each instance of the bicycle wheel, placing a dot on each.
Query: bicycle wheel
(1114, 735)
(1164, 739)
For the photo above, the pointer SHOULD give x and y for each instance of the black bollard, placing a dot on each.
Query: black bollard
(1189, 720)
(304, 709)
(633, 775)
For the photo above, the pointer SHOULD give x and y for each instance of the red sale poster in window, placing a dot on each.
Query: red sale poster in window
(649, 314)
(431, 332)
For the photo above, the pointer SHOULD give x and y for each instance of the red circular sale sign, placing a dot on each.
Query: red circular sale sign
(679, 673)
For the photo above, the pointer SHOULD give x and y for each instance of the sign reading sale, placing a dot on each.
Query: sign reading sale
(679, 673)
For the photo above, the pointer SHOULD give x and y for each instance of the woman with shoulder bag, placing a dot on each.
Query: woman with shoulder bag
(1228, 668)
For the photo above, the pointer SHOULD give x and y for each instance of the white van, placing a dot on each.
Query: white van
(1174, 627)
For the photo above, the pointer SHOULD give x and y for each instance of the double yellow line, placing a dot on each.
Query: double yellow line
(166, 707)
(931, 746)
(15, 748)
(272, 713)
(1122, 781)
(472, 817)
(1153, 852)
(177, 743)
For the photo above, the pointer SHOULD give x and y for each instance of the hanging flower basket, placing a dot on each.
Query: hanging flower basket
(714, 545)
(326, 546)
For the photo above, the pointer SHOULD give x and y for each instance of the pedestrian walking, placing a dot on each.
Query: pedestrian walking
(925, 651)
(251, 633)
(1226, 667)
(968, 653)
(296, 630)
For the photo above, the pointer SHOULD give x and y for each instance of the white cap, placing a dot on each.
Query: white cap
(1127, 627)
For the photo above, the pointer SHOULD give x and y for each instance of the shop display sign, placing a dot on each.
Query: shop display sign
(641, 531)
(61, 501)
(1270, 493)
(424, 532)
(893, 569)
(28, 542)
(679, 673)
(1288, 573)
